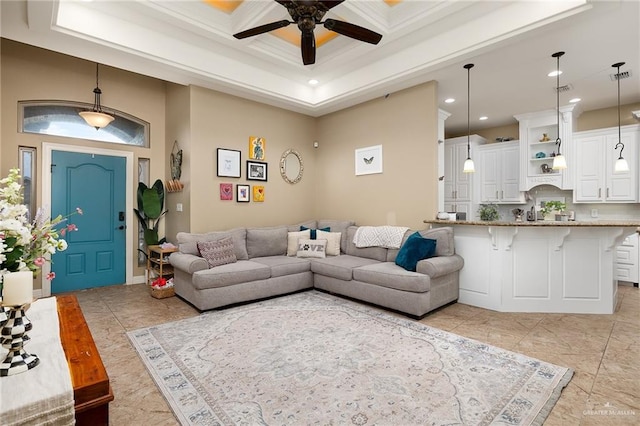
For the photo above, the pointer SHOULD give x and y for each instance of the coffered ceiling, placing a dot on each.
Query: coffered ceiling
(510, 42)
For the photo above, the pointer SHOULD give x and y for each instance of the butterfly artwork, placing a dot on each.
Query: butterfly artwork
(369, 160)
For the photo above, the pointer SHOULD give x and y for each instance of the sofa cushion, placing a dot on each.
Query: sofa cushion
(387, 274)
(292, 241)
(376, 253)
(312, 248)
(187, 242)
(414, 249)
(239, 272)
(338, 226)
(340, 267)
(283, 265)
(188, 263)
(333, 241)
(444, 240)
(218, 252)
(267, 241)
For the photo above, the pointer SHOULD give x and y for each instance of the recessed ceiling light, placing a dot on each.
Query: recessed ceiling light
(574, 100)
(449, 101)
(484, 117)
(313, 82)
(554, 73)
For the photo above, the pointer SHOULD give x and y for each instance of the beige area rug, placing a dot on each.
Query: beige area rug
(312, 358)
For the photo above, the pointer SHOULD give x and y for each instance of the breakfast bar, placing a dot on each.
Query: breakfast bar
(540, 266)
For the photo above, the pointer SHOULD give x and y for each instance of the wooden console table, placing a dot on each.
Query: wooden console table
(91, 389)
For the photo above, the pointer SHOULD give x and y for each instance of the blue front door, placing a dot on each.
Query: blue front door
(96, 254)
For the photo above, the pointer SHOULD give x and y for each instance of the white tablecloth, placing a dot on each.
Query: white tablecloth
(44, 394)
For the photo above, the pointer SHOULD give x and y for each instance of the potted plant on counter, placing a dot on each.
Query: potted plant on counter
(556, 208)
(488, 212)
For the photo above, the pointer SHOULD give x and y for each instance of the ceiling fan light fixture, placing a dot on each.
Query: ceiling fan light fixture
(96, 117)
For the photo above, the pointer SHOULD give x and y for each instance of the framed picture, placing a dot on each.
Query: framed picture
(258, 193)
(369, 160)
(257, 148)
(226, 191)
(256, 170)
(228, 163)
(242, 193)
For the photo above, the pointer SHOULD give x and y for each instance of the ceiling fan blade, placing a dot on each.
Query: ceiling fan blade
(353, 31)
(261, 29)
(308, 45)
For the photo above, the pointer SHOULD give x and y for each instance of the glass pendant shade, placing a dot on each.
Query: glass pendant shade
(559, 162)
(621, 166)
(469, 167)
(96, 117)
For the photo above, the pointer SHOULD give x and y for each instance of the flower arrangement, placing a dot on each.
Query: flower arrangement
(24, 245)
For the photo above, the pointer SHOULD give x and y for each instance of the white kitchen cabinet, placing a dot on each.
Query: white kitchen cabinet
(535, 169)
(626, 260)
(596, 181)
(499, 173)
(458, 186)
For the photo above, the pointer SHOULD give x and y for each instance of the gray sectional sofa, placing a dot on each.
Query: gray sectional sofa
(263, 269)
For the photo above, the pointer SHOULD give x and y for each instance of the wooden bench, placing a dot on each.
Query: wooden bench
(91, 389)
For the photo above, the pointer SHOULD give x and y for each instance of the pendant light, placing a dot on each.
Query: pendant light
(469, 167)
(621, 164)
(559, 162)
(96, 118)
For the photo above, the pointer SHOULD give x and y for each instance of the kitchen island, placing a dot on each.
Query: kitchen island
(541, 266)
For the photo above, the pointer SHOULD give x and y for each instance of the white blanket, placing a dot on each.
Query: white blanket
(379, 236)
(42, 395)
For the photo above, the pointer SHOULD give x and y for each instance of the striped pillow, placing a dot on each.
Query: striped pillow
(218, 252)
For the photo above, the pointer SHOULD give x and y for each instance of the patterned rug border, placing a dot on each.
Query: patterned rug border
(137, 338)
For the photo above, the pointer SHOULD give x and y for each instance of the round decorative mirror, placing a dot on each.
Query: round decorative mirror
(291, 167)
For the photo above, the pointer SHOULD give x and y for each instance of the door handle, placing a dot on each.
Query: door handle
(121, 227)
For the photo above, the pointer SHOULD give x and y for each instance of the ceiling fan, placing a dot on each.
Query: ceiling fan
(307, 14)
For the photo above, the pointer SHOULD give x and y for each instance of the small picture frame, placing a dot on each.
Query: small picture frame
(258, 193)
(368, 160)
(242, 193)
(257, 148)
(226, 191)
(256, 170)
(229, 163)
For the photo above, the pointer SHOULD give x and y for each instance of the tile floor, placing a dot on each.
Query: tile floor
(604, 351)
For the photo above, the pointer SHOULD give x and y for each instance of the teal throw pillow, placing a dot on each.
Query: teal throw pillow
(414, 249)
(313, 231)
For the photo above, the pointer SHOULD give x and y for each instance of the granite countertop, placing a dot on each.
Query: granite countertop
(600, 223)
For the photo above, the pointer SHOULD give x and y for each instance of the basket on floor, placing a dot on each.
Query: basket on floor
(161, 293)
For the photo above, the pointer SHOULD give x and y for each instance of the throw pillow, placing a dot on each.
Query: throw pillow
(333, 241)
(218, 252)
(414, 249)
(311, 248)
(313, 231)
(292, 241)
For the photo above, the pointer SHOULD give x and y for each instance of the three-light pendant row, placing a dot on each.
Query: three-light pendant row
(559, 160)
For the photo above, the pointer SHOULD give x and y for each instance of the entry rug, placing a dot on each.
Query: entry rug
(312, 358)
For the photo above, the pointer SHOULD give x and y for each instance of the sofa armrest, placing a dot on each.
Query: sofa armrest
(441, 265)
(189, 263)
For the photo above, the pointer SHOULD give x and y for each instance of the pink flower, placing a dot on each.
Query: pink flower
(72, 227)
(39, 261)
(50, 276)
